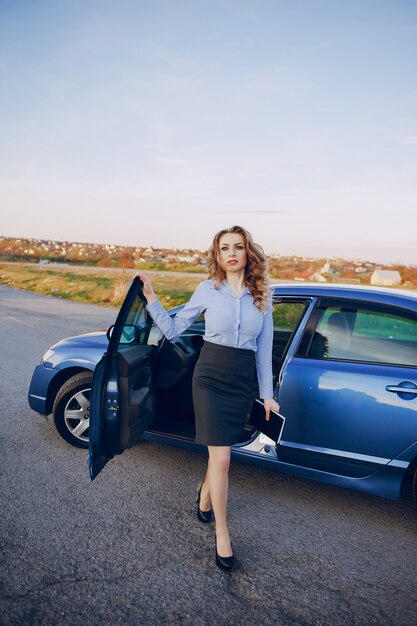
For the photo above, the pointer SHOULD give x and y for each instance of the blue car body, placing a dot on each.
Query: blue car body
(351, 414)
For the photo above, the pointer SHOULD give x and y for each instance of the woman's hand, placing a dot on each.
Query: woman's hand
(147, 289)
(270, 404)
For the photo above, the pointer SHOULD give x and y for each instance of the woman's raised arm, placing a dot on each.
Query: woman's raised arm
(172, 327)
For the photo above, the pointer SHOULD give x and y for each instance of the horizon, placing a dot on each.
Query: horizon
(203, 250)
(161, 123)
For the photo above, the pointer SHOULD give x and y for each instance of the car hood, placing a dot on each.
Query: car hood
(97, 339)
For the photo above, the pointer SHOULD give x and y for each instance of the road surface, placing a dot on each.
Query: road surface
(128, 549)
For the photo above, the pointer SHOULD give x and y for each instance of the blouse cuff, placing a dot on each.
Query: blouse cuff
(266, 392)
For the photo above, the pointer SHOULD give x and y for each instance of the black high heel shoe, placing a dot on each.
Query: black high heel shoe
(224, 562)
(203, 516)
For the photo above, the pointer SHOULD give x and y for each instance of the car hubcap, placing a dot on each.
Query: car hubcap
(77, 414)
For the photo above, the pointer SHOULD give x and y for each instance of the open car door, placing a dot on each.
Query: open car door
(122, 401)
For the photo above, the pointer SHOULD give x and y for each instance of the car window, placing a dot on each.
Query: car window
(155, 336)
(286, 316)
(362, 334)
(136, 326)
(137, 315)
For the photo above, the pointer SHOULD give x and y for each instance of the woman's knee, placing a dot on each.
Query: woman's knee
(220, 457)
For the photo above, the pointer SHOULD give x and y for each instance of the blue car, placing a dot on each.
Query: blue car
(345, 373)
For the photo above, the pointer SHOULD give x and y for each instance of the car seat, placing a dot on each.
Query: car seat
(338, 336)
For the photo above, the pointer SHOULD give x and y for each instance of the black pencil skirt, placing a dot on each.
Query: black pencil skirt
(223, 384)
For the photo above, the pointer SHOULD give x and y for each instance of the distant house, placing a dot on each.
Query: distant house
(327, 269)
(387, 278)
(318, 278)
(303, 275)
(308, 275)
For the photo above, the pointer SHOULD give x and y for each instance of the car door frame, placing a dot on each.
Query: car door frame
(113, 427)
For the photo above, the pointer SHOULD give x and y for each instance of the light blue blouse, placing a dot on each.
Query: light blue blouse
(230, 321)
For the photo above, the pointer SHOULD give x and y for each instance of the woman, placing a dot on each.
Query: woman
(238, 333)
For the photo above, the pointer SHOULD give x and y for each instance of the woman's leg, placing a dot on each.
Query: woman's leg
(218, 482)
(205, 500)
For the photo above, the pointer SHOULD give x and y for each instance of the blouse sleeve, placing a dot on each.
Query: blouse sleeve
(264, 356)
(172, 327)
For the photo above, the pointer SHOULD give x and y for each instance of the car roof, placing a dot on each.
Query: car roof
(383, 295)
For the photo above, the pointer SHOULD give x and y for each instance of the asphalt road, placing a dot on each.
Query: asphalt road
(127, 549)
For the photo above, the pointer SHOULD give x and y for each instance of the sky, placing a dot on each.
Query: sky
(159, 122)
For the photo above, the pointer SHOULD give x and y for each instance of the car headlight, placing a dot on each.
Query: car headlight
(48, 354)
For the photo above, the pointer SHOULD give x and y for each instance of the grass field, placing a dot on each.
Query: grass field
(102, 286)
(105, 287)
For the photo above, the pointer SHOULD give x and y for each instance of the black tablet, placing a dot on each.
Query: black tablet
(272, 428)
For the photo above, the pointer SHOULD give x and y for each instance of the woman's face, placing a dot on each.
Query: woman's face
(232, 254)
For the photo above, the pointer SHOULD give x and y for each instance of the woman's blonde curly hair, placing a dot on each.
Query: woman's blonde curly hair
(256, 272)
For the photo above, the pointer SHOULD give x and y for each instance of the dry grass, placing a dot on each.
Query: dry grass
(82, 284)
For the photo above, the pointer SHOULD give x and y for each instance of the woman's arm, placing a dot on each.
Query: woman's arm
(263, 358)
(172, 327)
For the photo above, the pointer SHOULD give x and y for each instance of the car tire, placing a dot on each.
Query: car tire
(71, 409)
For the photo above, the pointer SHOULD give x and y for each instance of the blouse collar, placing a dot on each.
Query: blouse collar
(225, 287)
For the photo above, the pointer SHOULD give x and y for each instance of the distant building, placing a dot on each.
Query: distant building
(303, 275)
(387, 278)
(327, 269)
(318, 278)
(186, 258)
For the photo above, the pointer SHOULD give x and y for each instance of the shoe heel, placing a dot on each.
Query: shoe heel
(225, 563)
(199, 488)
(203, 516)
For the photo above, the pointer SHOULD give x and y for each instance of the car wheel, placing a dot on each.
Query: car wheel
(71, 410)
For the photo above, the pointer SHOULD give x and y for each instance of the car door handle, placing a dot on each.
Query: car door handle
(398, 389)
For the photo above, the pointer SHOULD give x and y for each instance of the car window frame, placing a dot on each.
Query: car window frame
(307, 301)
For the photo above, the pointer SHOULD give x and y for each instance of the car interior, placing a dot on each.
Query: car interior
(173, 367)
